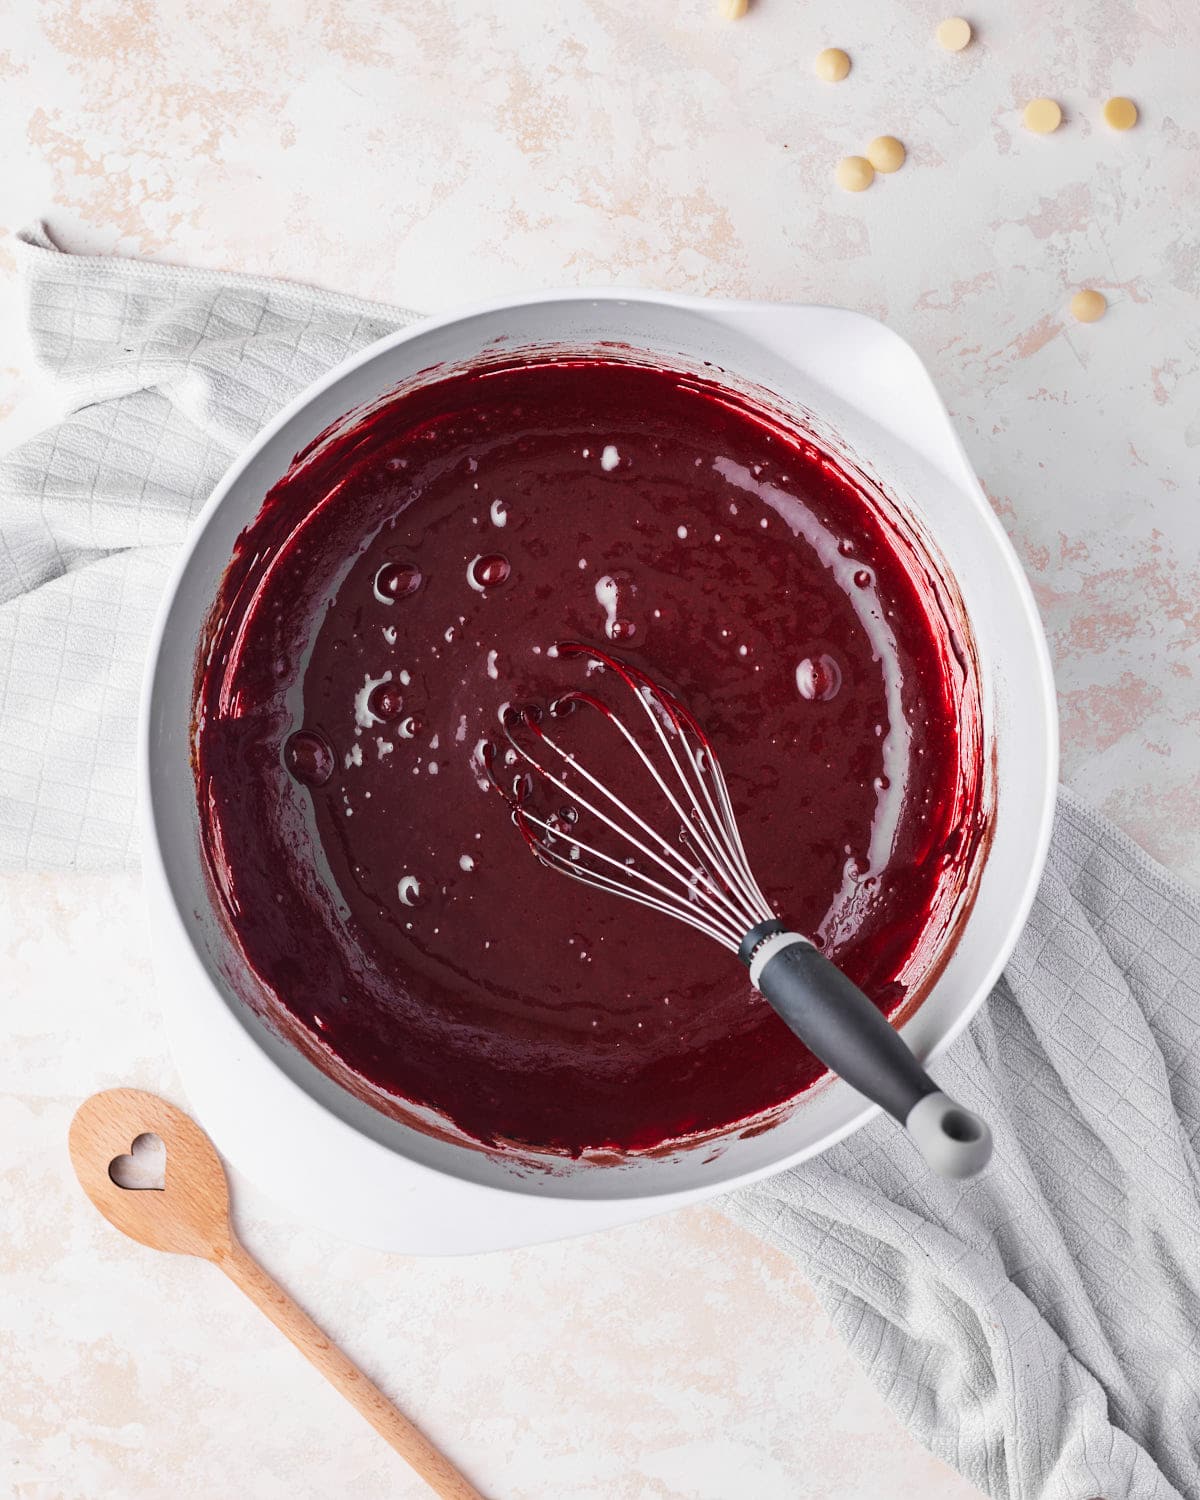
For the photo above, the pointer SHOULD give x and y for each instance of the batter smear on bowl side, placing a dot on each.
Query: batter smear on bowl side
(407, 578)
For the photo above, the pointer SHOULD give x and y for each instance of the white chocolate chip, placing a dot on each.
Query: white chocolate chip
(953, 34)
(886, 153)
(832, 65)
(1042, 116)
(1120, 113)
(854, 173)
(1088, 306)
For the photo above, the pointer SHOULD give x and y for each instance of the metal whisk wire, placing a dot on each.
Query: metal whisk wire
(716, 893)
(712, 889)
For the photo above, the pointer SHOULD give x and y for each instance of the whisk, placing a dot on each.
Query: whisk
(701, 876)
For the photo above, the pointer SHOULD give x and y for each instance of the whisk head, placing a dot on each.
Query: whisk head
(638, 807)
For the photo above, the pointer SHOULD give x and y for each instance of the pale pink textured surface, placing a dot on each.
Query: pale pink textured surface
(432, 153)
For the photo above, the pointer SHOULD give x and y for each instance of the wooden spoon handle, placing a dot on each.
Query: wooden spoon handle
(319, 1349)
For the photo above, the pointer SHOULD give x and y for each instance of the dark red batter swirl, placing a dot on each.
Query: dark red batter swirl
(408, 577)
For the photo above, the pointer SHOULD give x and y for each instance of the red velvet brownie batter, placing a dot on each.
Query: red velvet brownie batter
(408, 577)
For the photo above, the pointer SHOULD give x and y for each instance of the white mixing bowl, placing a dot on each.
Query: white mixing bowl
(339, 1163)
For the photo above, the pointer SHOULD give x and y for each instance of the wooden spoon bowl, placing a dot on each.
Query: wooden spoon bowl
(189, 1215)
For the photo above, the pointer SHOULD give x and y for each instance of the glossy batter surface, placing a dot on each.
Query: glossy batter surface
(412, 574)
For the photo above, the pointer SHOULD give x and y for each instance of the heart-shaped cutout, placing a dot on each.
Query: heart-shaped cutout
(144, 1168)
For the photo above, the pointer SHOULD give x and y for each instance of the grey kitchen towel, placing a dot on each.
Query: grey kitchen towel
(160, 375)
(1039, 1326)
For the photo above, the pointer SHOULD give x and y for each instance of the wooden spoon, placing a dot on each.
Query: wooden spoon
(189, 1215)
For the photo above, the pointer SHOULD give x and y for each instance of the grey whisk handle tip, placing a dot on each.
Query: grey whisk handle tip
(832, 1016)
(953, 1140)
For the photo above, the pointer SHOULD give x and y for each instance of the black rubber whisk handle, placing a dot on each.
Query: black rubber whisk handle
(840, 1025)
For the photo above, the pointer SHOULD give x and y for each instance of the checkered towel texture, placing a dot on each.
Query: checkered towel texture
(1038, 1327)
(162, 375)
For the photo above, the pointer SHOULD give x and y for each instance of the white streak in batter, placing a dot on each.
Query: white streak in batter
(363, 716)
(606, 598)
